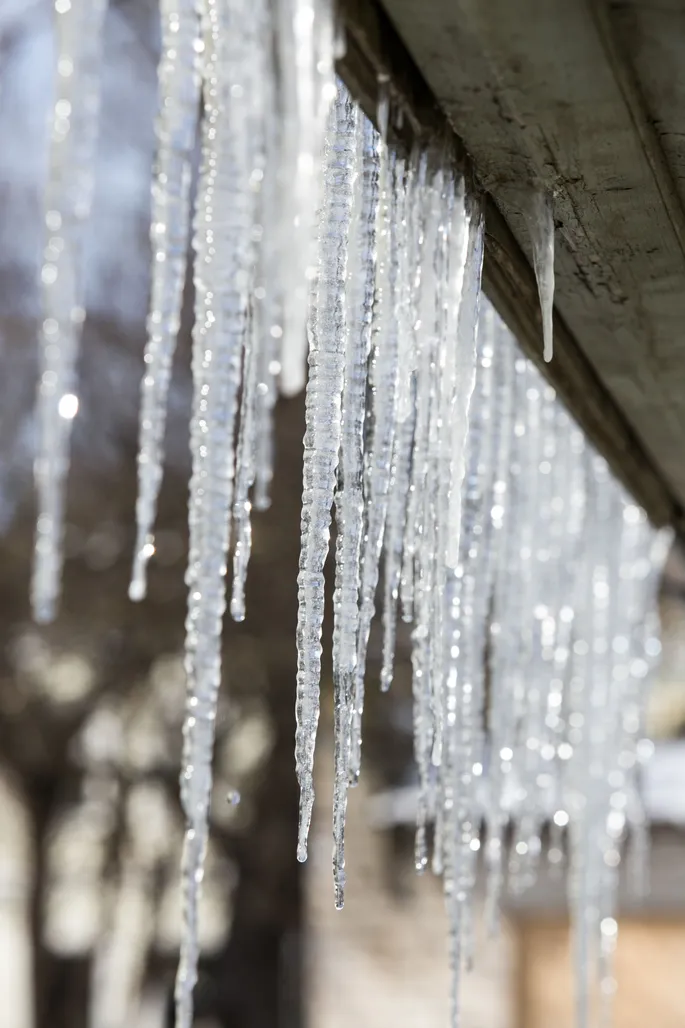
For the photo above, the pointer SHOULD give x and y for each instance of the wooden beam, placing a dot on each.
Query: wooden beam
(376, 54)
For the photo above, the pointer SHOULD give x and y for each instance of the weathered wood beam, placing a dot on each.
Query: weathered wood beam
(376, 54)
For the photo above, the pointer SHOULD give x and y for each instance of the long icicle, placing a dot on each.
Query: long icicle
(226, 210)
(322, 437)
(408, 274)
(378, 457)
(542, 236)
(68, 202)
(177, 123)
(349, 500)
(245, 462)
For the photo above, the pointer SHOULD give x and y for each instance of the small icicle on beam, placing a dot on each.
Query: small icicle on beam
(349, 498)
(177, 124)
(383, 373)
(68, 199)
(327, 337)
(541, 221)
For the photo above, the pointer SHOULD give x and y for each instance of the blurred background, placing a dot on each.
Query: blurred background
(91, 707)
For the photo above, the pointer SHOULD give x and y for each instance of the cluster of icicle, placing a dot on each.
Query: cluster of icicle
(261, 73)
(525, 572)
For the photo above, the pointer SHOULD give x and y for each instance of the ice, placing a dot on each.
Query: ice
(327, 337)
(224, 261)
(245, 463)
(305, 41)
(349, 499)
(541, 222)
(383, 371)
(527, 574)
(177, 123)
(68, 200)
(395, 526)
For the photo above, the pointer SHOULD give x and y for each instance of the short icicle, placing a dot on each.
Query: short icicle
(541, 223)
(323, 418)
(68, 199)
(224, 257)
(177, 123)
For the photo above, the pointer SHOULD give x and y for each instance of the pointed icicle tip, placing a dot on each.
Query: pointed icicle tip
(541, 220)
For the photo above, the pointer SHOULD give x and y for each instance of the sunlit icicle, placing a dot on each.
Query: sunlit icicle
(505, 641)
(588, 699)
(232, 32)
(431, 553)
(643, 625)
(327, 336)
(636, 648)
(467, 600)
(466, 368)
(425, 222)
(569, 502)
(452, 387)
(397, 512)
(420, 542)
(177, 122)
(305, 39)
(349, 500)
(531, 757)
(380, 436)
(268, 292)
(504, 357)
(541, 222)
(68, 199)
(245, 464)
(532, 520)
(453, 734)
(408, 277)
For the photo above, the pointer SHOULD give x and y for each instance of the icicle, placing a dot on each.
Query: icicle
(232, 33)
(349, 501)
(397, 511)
(542, 237)
(305, 41)
(254, 449)
(322, 436)
(179, 105)
(467, 600)
(245, 466)
(468, 320)
(452, 393)
(503, 423)
(268, 295)
(68, 198)
(383, 383)
(408, 276)
(426, 228)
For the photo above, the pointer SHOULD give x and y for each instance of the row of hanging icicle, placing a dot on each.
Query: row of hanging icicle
(527, 574)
